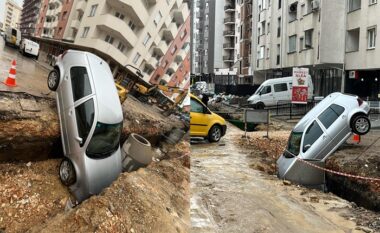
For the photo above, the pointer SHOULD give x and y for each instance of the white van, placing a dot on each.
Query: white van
(29, 47)
(272, 91)
(12, 37)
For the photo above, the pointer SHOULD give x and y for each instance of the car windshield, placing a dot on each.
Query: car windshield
(294, 143)
(258, 90)
(105, 140)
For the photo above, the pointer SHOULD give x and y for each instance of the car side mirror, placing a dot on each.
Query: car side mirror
(306, 147)
(79, 139)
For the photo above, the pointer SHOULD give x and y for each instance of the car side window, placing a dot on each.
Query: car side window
(196, 107)
(312, 134)
(80, 82)
(329, 116)
(280, 87)
(266, 90)
(85, 118)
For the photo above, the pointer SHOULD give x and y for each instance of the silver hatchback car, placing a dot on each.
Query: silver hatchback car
(91, 119)
(320, 132)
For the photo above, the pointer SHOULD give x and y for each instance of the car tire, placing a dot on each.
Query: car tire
(67, 172)
(215, 133)
(53, 79)
(260, 105)
(360, 124)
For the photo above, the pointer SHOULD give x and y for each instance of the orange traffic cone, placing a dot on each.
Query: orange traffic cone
(11, 80)
(356, 138)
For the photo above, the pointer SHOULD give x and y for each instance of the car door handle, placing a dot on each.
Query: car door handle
(343, 116)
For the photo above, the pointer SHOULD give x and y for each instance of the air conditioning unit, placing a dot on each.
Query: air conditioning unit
(293, 8)
(315, 5)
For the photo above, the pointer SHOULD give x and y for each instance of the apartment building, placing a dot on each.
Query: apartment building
(294, 33)
(362, 57)
(29, 17)
(208, 26)
(12, 15)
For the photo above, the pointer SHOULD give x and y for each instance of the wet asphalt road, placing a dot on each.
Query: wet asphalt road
(30, 76)
(229, 196)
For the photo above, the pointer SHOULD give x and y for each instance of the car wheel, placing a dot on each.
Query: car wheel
(260, 105)
(67, 172)
(53, 80)
(360, 124)
(215, 133)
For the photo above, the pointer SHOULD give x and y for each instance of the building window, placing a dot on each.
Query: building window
(136, 58)
(278, 54)
(309, 38)
(352, 43)
(172, 51)
(278, 26)
(292, 44)
(109, 39)
(268, 28)
(371, 2)
(146, 39)
(183, 34)
(354, 5)
(93, 10)
(293, 12)
(119, 15)
(279, 4)
(131, 25)
(121, 47)
(158, 18)
(85, 32)
(268, 53)
(261, 52)
(371, 37)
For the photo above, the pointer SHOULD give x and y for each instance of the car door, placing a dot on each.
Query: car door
(266, 95)
(334, 120)
(198, 119)
(314, 141)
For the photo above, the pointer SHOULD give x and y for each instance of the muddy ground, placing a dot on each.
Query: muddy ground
(352, 158)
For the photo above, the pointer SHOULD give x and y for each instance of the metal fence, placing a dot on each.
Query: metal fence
(287, 108)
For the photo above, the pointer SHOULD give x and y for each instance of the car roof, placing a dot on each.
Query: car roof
(337, 98)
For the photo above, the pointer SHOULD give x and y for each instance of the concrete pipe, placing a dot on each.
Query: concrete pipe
(137, 152)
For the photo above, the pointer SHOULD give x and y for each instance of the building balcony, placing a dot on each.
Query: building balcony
(173, 67)
(230, 7)
(75, 24)
(181, 14)
(161, 48)
(152, 63)
(229, 33)
(171, 31)
(166, 77)
(263, 15)
(110, 23)
(151, 1)
(134, 9)
(181, 55)
(81, 5)
(104, 47)
(229, 20)
(228, 58)
(229, 46)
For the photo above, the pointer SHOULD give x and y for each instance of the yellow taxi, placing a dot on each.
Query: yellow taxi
(205, 123)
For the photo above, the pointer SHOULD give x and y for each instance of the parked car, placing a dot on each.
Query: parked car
(91, 119)
(12, 37)
(321, 131)
(205, 123)
(29, 47)
(273, 91)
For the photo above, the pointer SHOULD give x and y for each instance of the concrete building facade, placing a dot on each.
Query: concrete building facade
(29, 17)
(12, 15)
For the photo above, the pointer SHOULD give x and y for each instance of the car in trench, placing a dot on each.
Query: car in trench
(321, 132)
(204, 123)
(91, 122)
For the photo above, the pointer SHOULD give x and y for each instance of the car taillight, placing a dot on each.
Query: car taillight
(360, 101)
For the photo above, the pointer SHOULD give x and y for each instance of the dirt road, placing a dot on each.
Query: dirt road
(229, 196)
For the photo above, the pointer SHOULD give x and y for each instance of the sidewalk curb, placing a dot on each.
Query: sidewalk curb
(42, 65)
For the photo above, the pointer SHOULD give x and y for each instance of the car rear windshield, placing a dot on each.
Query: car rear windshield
(105, 140)
(294, 143)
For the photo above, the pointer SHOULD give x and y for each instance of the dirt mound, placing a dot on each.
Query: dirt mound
(155, 199)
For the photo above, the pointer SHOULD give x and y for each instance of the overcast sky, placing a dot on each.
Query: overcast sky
(2, 6)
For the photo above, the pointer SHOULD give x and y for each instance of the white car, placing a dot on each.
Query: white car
(29, 47)
(91, 121)
(320, 132)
